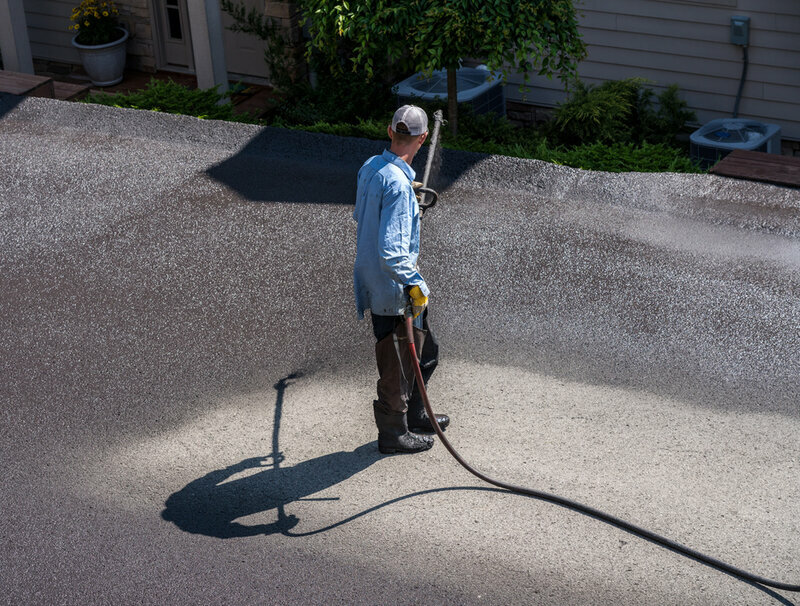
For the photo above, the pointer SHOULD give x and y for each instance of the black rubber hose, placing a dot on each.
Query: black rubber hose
(627, 526)
(741, 82)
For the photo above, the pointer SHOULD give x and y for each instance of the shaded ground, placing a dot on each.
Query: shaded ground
(186, 390)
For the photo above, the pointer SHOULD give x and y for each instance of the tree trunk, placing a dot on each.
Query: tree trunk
(452, 99)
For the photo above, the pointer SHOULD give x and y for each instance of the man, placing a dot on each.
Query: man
(386, 280)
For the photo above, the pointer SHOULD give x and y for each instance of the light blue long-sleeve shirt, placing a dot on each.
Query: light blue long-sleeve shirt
(388, 216)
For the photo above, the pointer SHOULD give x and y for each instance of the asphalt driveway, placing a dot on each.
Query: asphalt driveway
(185, 389)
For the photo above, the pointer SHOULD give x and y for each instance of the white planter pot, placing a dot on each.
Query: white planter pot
(104, 63)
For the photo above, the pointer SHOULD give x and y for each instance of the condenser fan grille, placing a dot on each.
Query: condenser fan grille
(733, 132)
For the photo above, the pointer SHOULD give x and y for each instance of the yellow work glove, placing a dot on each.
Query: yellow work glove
(418, 301)
(416, 185)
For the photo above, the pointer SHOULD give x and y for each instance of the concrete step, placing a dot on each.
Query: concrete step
(29, 85)
(67, 91)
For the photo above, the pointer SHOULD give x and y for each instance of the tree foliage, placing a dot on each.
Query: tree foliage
(435, 34)
(527, 36)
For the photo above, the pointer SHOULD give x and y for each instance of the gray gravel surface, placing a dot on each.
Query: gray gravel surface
(176, 310)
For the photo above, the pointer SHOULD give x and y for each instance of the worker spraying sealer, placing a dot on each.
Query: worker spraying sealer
(388, 282)
(386, 277)
(410, 314)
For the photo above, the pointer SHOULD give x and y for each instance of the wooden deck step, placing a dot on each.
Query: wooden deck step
(26, 84)
(67, 91)
(760, 166)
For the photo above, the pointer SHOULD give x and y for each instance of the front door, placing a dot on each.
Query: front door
(244, 53)
(175, 40)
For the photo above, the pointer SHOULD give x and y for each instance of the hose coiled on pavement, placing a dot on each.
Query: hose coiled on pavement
(596, 513)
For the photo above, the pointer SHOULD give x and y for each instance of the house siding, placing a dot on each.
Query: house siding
(48, 29)
(50, 35)
(686, 42)
(51, 38)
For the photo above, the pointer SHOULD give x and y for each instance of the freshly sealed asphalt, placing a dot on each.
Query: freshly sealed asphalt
(185, 389)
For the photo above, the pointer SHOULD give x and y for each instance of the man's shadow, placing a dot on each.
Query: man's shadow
(210, 505)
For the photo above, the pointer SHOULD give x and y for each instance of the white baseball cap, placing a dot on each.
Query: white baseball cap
(410, 120)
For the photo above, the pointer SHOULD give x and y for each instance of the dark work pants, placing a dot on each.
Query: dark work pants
(390, 358)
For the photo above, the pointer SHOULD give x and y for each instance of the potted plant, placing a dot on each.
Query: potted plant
(100, 41)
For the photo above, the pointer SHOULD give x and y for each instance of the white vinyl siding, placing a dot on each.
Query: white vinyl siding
(48, 29)
(686, 42)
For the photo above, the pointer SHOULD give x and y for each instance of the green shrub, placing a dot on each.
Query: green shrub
(626, 157)
(346, 98)
(173, 98)
(347, 107)
(616, 157)
(603, 113)
(491, 128)
(619, 111)
(366, 129)
(670, 118)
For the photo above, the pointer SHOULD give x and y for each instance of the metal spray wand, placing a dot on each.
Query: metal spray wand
(438, 120)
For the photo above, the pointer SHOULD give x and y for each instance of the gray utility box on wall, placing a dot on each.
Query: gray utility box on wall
(715, 140)
(476, 86)
(740, 30)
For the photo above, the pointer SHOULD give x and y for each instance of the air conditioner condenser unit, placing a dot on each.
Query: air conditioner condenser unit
(715, 140)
